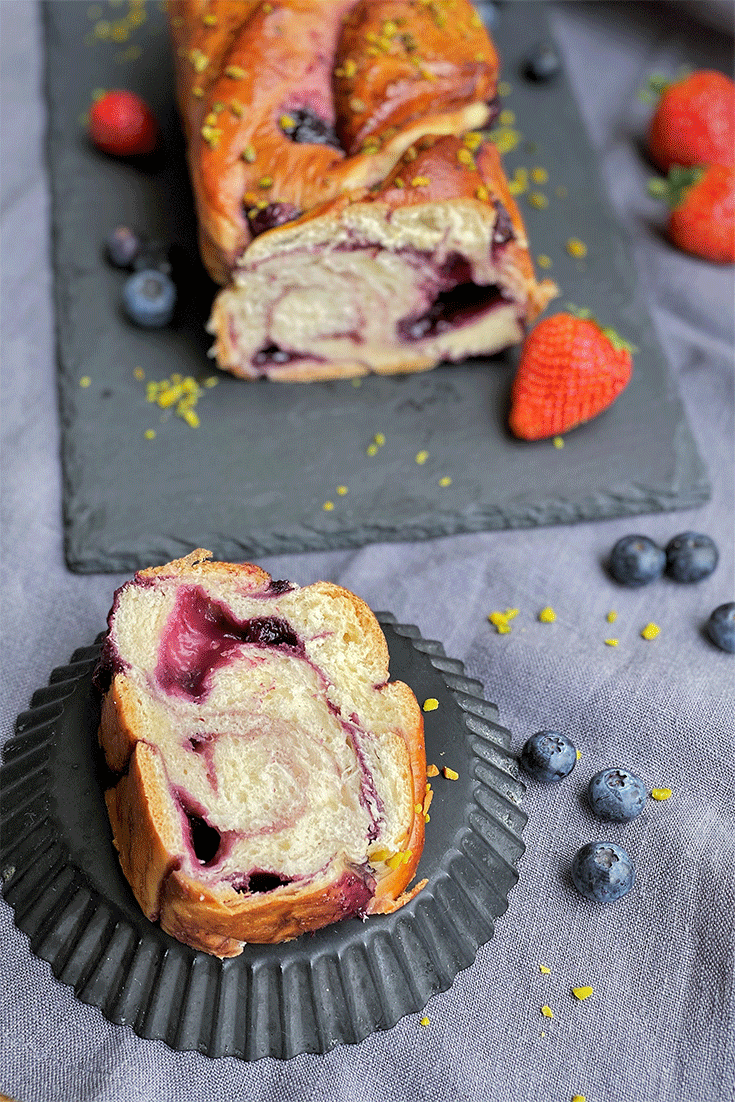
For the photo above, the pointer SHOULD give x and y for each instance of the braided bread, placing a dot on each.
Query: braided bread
(314, 134)
(270, 779)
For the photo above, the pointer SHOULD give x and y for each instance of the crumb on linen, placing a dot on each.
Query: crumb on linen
(579, 754)
(85, 381)
(445, 481)
(539, 176)
(576, 248)
(431, 704)
(611, 616)
(650, 631)
(544, 261)
(379, 439)
(544, 970)
(450, 774)
(150, 434)
(372, 449)
(661, 793)
(582, 993)
(547, 1011)
(432, 771)
(328, 506)
(501, 620)
(424, 1021)
(342, 490)
(611, 642)
(558, 441)
(547, 615)
(421, 457)
(579, 1098)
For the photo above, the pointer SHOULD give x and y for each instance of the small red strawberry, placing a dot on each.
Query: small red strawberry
(694, 123)
(702, 218)
(570, 370)
(121, 123)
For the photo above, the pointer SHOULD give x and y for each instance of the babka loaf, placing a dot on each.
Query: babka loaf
(349, 239)
(270, 777)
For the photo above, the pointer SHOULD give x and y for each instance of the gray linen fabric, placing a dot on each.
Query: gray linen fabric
(661, 1022)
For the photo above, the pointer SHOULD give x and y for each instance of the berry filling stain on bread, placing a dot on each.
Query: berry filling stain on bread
(269, 773)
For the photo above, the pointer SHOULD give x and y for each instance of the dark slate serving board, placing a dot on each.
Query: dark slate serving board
(254, 477)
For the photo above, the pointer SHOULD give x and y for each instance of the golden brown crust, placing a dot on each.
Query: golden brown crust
(240, 68)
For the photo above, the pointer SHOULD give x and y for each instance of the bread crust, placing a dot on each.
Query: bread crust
(147, 821)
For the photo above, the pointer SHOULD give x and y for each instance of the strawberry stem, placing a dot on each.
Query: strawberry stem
(674, 188)
(585, 314)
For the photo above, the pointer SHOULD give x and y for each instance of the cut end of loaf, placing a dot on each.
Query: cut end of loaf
(269, 771)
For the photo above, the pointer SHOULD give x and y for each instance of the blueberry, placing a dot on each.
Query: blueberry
(548, 756)
(123, 246)
(542, 63)
(616, 794)
(603, 872)
(149, 298)
(690, 557)
(721, 627)
(636, 560)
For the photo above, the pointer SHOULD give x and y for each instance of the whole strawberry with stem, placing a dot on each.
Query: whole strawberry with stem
(123, 124)
(570, 370)
(694, 122)
(702, 218)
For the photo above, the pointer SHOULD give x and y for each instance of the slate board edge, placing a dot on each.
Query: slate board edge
(90, 945)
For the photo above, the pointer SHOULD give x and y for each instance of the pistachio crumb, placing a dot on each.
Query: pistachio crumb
(650, 631)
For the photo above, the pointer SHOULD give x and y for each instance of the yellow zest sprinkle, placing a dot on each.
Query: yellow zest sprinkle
(197, 92)
(138, 373)
(515, 187)
(504, 88)
(431, 704)
(248, 154)
(379, 439)
(210, 20)
(341, 490)
(199, 60)
(576, 248)
(178, 392)
(650, 631)
(611, 616)
(421, 458)
(506, 118)
(450, 774)
(420, 181)
(579, 754)
(539, 175)
(424, 1021)
(398, 182)
(547, 1011)
(445, 481)
(661, 793)
(582, 993)
(472, 141)
(286, 122)
(547, 615)
(211, 119)
(234, 72)
(432, 771)
(265, 181)
(328, 506)
(85, 381)
(479, 56)
(611, 642)
(544, 261)
(538, 199)
(410, 154)
(211, 135)
(267, 8)
(427, 817)
(464, 156)
(349, 68)
(191, 418)
(544, 970)
(418, 808)
(398, 859)
(380, 855)
(482, 193)
(504, 138)
(500, 620)
(475, 20)
(237, 108)
(372, 449)
(150, 434)
(356, 104)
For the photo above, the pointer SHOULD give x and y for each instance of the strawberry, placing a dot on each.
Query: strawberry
(121, 123)
(702, 218)
(694, 123)
(570, 370)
